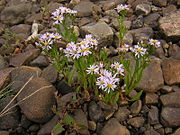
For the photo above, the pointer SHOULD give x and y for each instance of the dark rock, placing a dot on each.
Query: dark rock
(151, 132)
(138, 23)
(3, 63)
(113, 127)
(143, 9)
(170, 117)
(15, 14)
(80, 117)
(167, 89)
(50, 73)
(47, 128)
(34, 128)
(84, 8)
(95, 112)
(152, 81)
(152, 20)
(10, 120)
(101, 31)
(38, 106)
(153, 115)
(151, 98)
(160, 3)
(136, 107)
(25, 123)
(40, 61)
(64, 88)
(171, 99)
(171, 72)
(122, 114)
(136, 121)
(23, 58)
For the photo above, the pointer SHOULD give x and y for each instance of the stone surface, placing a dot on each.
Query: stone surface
(170, 25)
(113, 127)
(144, 9)
(11, 120)
(153, 115)
(171, 72)
(136, 121)
(122, 114)
(47, 128)
(138, 22)
(23, 58)
(92, 125)
(40, 61)
(134, 3)
(38, 107)
(21, 29)
(170, 117)
(152, 81)
(160, 3)
(171, 99)
(15, 14)
(4, 133)
(64, 88)
(3, 63)
(177, 132)
(174, 51)
(84, 8)
(95, 112)
(140, 34)
(151, 98)
(151, 132)
(152, 20)
(101, 31)
(50, 73)
(136, 107)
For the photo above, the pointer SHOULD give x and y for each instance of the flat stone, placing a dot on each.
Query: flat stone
(136, 107)
(84, 8)
(152, 81)
(153, 115)
(144, 9)
(171, 99)
(101, 31)
(23, 58)
(151, 98)
(171, 72)
(38, 107)
(170, 117)
(40, 61)
(170, 25)
(21, 28)
(136, 122)
(122, 114)
(113, 127)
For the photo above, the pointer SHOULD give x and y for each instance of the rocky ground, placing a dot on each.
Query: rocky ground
(156, 113)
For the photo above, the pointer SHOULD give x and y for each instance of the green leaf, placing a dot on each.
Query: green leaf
(137, 96)
(68, 119)
(57, 129)
(81, 126)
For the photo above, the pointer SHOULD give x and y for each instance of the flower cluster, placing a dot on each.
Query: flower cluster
(154, 42)
(138, 50)
(58, 14)
(122, 7)
(83, 48)
(47, 39)
(118, 67)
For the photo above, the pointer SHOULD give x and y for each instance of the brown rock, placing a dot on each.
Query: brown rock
(171, 72)
(171, 99)
(136, 121)
(153, 115)
(4, 133)
(113, 127)
(151, 132)
(3, 63)
(160, 2)
(151, 98)
(177, 132)
(174, 51)
(40, 61)
(136, 107)
(169, 9)
(92, 125)
(38, 107)
(122, 114)
(134, 3)
(170, 117)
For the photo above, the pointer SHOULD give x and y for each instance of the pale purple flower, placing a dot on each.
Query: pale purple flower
(93, 69)
(122, 7)
(124, 48)
(119, 68)
(139, 51)
(92, 41)
(154, 42)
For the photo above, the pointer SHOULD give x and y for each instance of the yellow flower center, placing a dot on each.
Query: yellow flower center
(109, 85)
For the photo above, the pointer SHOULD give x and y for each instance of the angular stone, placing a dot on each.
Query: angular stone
(136, 107)
(144, 9)
(170, 25)
(170, 117)
(151, 98)
(152, 20)
(152, 81)
(24, 58)
(153, 115)
(171, 72)
(161, 3)
(84, 8)
(171, 99)
(136, 121)
(21, 28)
(113, 127)
(122, 114)
(15, 14)
(101, 31)
(38, 106)
(40, 61)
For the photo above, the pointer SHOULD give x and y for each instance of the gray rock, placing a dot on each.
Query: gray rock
(151, 98)
(171, 72)
(111, 13)
(3, 63)
(134, 3)
(136, 107)
(47, 128)
(152, 20)
(170, 26)
(38, 106)
(23, 58)
(151, 132)
(171, 99)
(136, 121)
(138, 22)
(101, 31)
(140, 34)
(153, 115)
(116, 24)
(161, 3)
(50, 73)
(84, 8)
(143, 9)
(174, 51)
(11, 120)
(170, 117)
(122, 114)
(64, 88)
(16, 13)
(25, 123)
(95, 112)
(52, 6)
(113, 127)
(152, 81)
(40, 61)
